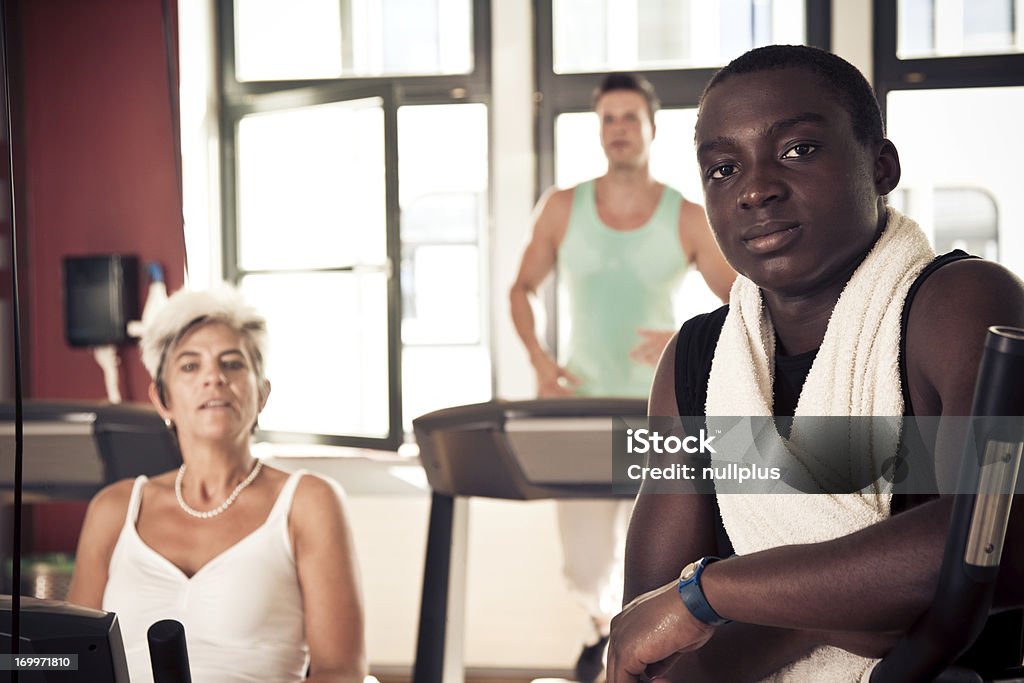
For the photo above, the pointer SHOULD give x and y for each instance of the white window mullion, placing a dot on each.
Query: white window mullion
(788, 21)
(949, 27)
(705, 33)
(623, 34)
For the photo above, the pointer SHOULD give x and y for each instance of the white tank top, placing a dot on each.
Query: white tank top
(242, 611)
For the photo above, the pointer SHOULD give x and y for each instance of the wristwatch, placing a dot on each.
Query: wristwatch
(693, 595)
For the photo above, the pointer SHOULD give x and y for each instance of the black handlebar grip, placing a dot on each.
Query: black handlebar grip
(1000, 388)
(168, 653)
(967, 578)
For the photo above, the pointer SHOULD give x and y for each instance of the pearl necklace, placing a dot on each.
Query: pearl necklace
(223, 506)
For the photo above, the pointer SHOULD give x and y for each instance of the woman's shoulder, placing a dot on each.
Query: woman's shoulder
(315, 491)
(318, 510)
(107, 512)
(113, 499)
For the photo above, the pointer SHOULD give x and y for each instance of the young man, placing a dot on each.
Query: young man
(795, 170)
(622, 243)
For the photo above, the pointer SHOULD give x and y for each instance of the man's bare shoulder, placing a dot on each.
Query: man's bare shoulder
(557, 201)
(947, 326)
(691, 211)
(967, 292)
(662, 402)
(552, 215)
(558, 196)
(694, 231)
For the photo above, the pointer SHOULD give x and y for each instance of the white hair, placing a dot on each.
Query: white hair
(188, 309)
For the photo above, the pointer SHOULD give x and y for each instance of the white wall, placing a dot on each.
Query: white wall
(200, 142)
(513, 179)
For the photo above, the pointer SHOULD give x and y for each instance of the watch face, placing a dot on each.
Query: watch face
(688, 571)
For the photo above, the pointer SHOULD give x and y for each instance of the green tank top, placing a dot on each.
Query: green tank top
(612, 282)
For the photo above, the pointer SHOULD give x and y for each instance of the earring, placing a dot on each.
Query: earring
(169, 423)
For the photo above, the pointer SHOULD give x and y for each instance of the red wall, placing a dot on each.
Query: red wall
(97, 168)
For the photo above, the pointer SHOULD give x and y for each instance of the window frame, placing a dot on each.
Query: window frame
(892, 74)
(238, 99)
(933, 73)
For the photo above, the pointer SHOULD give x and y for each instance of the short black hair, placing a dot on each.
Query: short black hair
(627, 81)
(851, 89)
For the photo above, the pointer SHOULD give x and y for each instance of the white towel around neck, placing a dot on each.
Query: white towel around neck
(855, 373)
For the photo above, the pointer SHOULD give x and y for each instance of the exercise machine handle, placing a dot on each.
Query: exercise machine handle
(168, 653)
(981, 512)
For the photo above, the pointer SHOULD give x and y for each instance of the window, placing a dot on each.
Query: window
(677, 45)
(622, 35)
(945, 186)
(947, 28)
(443, 196)
(355, 206)
(352, 39)
(950, 78)
(955, 217)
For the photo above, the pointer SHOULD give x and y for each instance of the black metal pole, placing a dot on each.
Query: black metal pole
(429, 665)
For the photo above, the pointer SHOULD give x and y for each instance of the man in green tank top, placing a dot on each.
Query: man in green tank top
(621, 243)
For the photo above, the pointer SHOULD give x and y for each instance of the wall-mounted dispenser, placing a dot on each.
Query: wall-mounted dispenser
(101, 294)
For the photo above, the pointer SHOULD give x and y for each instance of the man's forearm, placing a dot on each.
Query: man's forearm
(523, 320)
(878, 579)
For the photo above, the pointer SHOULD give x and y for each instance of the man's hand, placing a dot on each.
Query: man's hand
(649, 632)
(652, 343)
(553, 381)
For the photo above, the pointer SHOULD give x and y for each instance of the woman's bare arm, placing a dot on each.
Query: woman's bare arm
(331, 597)
(100, 530)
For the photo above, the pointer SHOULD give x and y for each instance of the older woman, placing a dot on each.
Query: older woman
(256, 563)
